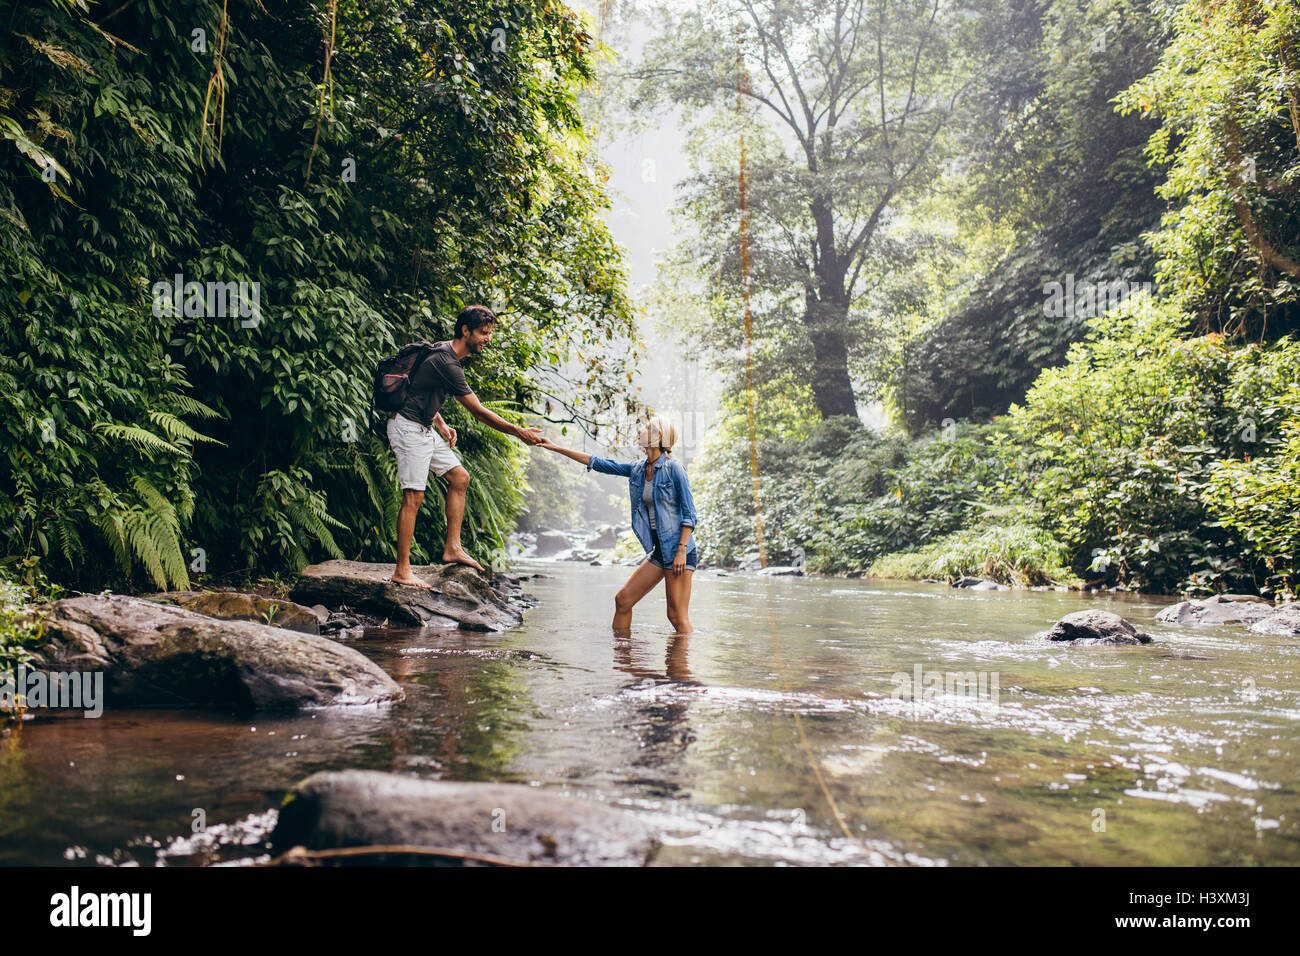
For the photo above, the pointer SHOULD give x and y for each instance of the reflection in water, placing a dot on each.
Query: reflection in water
(1188, 749)
(660, 721)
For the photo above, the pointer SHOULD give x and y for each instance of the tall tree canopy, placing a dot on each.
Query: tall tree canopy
(843, 106)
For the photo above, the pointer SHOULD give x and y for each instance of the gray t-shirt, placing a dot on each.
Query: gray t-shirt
(648, 496)
(438, 376)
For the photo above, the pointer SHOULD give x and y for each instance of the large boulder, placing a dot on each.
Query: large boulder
(458, 596)
(1283, 621)
(1220, 609)
(551, 542)
(241, 606)
(354, 808)
(153, 655)
(1096, 627)
(603, 538)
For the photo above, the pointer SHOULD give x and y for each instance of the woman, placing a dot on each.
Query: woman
(663, 519)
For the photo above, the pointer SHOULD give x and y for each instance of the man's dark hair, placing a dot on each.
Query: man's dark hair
(471, 318)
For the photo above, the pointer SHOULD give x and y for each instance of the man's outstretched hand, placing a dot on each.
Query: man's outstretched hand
(530, 436)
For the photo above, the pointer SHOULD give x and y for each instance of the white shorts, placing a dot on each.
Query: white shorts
(418, 449)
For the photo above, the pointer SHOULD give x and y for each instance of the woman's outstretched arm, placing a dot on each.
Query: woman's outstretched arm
(604, 465)
(580, 457)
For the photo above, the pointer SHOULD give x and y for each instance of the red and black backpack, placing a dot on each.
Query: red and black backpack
(393, 378)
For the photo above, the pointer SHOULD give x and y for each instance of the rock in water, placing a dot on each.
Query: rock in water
(1283, 621)
(240, 606)
(154, 655)
(552, 542)
(1096, 627)
(1220, 609)
(459, 595)
(369, 808)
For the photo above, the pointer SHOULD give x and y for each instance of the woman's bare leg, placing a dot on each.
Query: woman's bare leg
(678, 587)
(642, 581)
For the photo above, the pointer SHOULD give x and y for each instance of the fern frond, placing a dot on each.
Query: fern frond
(112, 526)
(153, 498)
(185, 405)
(69, 539)
(143, 440)
(176, 429)
(141, 536)
(166, 536)
(306, 518)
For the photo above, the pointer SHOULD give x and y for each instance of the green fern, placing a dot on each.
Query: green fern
(176, 429)
(69, 538)
(141, 439)
(112, 525)
(149, 532)
(379, 489)
(310, 516)
(185, 405)
(176, 432)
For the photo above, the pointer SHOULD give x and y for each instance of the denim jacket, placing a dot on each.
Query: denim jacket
(674, 506)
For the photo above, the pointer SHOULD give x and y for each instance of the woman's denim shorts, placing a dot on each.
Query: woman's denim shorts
(657, 558)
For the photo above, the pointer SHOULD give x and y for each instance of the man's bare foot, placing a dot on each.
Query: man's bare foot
(459, 556)
(411, 581)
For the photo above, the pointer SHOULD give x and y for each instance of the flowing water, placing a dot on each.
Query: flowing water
(792, 693)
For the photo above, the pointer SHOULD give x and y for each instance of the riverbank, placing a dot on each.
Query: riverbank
(235, 651)
(1007, 558)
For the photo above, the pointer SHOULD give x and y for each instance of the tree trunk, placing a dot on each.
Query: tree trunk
(832, 389)
(826, 314)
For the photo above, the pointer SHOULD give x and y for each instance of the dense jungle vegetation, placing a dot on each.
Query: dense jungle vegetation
(371, 167)
(1053, 244)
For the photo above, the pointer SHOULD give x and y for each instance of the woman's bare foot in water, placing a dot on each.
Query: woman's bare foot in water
(411, 581)
(459, 556)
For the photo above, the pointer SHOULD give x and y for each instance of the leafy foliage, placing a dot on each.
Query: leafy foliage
(1122, 443)
(1019, 555)
(1053, 184)
(845, 495)
(368, 173)
(1228, 92)
(1259, 498)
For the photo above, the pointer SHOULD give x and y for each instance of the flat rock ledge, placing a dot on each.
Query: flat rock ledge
(154, 655)
(1284, 621)
(364, 808)
(1220, 609)
(1095, 627)
(243, 606)
(459, 596)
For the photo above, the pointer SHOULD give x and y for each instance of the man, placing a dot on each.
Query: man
(422, 441)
